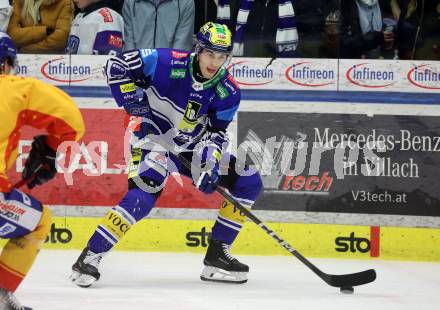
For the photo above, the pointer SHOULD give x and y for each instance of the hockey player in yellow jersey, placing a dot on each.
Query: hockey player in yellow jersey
(24, 221)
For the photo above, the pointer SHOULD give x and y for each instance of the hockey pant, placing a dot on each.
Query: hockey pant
(147, 176)
(26, 223)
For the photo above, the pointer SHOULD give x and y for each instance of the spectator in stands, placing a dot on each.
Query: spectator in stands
(158, 23)
(310, 15)
(275, 35)
(331, 31)
(205, 11)
(405, 11)
(418, 29)
(98, 29)
(362, 32)
(40, 26)
(227, 11)
(5, 14)
(436, 46)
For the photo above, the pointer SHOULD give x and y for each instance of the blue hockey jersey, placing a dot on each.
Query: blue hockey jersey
(172, 98)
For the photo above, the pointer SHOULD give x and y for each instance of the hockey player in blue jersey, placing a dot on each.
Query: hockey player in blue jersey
(194, 96)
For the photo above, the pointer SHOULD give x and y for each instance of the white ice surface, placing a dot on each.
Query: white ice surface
(133, 280)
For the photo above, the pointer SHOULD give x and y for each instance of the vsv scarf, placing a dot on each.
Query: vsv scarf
(286, 36)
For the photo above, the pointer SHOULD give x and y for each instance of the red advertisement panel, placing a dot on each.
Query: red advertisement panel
(96, 175)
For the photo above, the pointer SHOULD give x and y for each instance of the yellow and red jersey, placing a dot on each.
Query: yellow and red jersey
(27, 101)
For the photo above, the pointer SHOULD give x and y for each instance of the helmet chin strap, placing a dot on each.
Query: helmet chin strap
(198, 76)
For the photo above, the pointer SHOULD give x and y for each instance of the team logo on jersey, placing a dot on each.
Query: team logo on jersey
(177, 54)
(221, 91)
(115, 40)
(190, 116)
(192, 111)
(178, 73)
(106, 14)
(117, 71)
(197, 86)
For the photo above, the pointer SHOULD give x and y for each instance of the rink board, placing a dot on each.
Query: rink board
(98, 180)
(347, 92)
(311, 240)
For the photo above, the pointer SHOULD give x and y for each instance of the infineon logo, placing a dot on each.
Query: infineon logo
(365, 75)
(59, 70)
(309, 75)
(424, 76)
(250, 73)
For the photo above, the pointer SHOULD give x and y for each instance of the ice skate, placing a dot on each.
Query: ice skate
(85, 270)
(9, 302)
(220, 266)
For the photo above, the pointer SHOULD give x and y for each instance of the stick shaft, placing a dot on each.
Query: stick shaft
(353, 279)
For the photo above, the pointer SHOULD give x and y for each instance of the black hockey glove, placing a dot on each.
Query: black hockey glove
(40, 165)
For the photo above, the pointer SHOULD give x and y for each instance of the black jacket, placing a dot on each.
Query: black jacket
(261, 29)
(353, 43)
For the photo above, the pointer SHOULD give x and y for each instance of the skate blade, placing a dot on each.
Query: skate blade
(214, 274)
(82, 280)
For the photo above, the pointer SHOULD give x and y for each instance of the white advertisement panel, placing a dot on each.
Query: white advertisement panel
(65, 70)
(389, 75)
(264, 73)
(285, 74)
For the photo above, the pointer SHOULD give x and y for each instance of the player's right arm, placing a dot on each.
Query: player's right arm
(48, 107)
(127, 71)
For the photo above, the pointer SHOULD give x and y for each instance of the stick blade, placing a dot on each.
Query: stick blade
(352, 279)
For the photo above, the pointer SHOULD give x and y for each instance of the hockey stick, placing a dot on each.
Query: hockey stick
(20, 183)
(25, 181)
(342, 281)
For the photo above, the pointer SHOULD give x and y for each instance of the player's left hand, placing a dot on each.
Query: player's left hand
(209, 177)
(40, 165)
(138, 107)
(208, 180)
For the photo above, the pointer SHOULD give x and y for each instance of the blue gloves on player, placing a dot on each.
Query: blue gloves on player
(138, 107)
(123, 86)
(208, 180)
(210, 165)
(40, 165)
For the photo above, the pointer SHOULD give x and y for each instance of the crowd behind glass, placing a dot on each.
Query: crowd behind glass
(374, 29)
